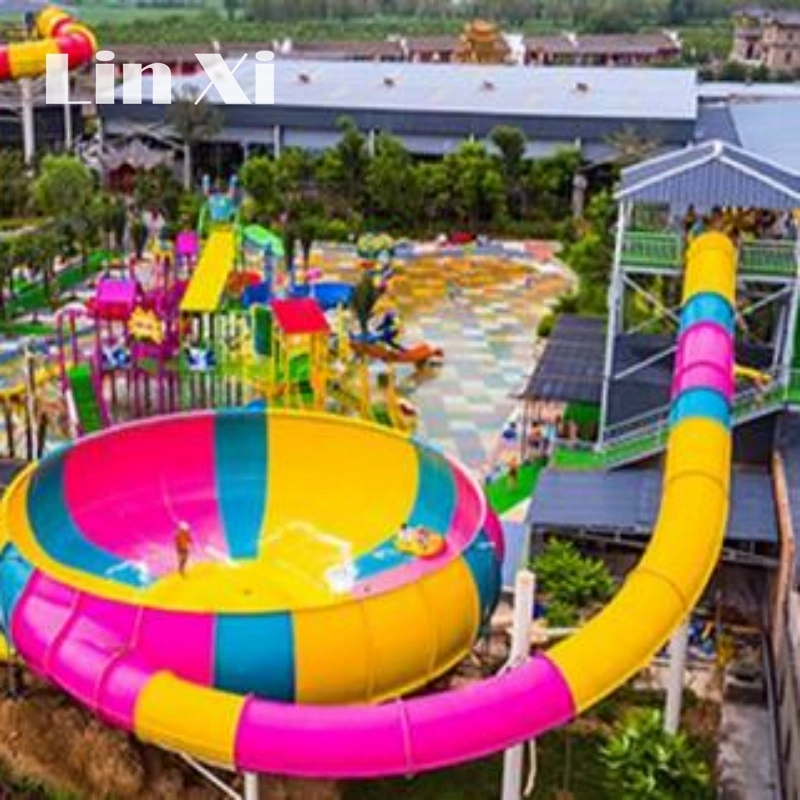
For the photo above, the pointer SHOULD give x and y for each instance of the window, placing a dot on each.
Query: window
(787, 57)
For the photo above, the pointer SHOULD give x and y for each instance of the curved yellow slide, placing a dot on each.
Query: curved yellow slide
(58, 33)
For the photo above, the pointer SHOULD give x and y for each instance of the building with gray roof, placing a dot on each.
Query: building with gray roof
(435, 107)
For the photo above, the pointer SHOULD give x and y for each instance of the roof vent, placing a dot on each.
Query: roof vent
(582, 87)
(389, 81)
(488, 86)
(304, 77)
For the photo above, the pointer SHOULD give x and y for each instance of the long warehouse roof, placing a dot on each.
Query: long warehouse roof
(595, 92)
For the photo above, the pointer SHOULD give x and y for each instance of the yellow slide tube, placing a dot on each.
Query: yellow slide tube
(687, 539)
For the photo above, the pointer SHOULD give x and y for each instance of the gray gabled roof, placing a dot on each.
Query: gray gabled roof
(715, 173)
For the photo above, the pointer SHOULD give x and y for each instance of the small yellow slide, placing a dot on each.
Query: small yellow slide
(210, 278)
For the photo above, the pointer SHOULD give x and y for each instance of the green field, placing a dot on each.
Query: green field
(119, 24)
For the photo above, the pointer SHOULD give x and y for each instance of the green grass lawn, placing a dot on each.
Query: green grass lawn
(503, 495)
(565, 458)
(26, 329)
(32, 297)
(566, 759)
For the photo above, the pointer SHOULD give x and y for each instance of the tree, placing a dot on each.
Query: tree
(193, 121)
(231, 6)
(476, 186)
(15, 187)
(66, 191)
(434, 190)
(114, 220)
(591, 258)
(289, 237)
(158, 189)
(295, 174)
(343, 168)
(548, 183)
(511, 143)
(392, 185)
(309, 227)
(89, 225)
(257, 177)
(365, 296)
(37, 251)
(7, 261)
(644, 762)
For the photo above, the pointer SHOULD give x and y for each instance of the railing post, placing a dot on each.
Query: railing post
(791, 327)
(616, 294)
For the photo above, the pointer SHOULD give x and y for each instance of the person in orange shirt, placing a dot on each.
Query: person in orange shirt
(183, 546)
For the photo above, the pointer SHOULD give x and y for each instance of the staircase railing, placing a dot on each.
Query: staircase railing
(646, 433)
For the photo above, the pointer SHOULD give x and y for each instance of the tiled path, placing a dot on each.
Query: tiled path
(483, 312)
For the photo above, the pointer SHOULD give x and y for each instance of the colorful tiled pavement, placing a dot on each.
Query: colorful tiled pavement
(483, 312)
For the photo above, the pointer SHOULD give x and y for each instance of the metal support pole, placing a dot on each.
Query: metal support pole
(652, 299)
(788, 351)
(68, 127)
(678, 646)
(251, 791)
(28, 132)
(520, 643)
(616, 290)
(30, 390)
(277, 141)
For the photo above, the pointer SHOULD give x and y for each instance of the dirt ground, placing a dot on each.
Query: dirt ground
(50, 747)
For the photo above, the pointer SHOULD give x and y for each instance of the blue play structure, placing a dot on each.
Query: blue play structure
(221, 206)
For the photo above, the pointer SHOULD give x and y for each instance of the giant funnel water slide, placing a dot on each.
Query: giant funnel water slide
(58, 33)
(90, 598)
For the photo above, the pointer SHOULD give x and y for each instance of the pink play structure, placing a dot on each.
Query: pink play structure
(136, 341)
(187, 246)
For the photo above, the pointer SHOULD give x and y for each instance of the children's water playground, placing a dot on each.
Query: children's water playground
(267, 512)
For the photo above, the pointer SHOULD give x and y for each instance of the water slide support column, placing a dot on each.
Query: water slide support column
(524, 591)
(678, 646)
(251, 786)
(28, 135)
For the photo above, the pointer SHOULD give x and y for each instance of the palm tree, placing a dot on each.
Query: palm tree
(193, 121)
(363, 301)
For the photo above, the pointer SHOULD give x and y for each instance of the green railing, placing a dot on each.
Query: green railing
(768, 258)
(664, 251)
(652, 250)
(650, 436)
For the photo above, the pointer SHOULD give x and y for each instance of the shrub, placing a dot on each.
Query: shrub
(644, 762)
(570, 579)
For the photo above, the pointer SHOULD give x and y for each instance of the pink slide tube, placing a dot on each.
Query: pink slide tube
(696, 365)
(398, 738)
